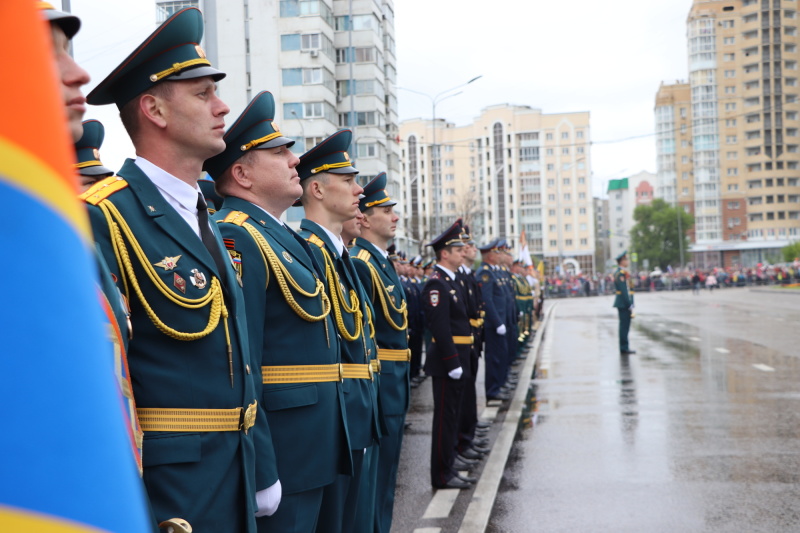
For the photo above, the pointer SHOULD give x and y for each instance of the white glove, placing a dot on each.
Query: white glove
(501, 329)
(456, 373)
(268, 500)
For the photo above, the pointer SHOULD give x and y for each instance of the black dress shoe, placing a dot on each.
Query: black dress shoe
(483, 450)
(468, 479)
(627, 352)
(454, 483)
(458, 464)
(500, 396)
(465, 460)
(483, 424)
(482, 443)
(472, 454)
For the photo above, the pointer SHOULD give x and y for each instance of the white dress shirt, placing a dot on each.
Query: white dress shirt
(179, 194)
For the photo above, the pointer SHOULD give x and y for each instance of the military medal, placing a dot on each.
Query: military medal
(198, 279)
(286, 256)
(168, 263)
(179, 283)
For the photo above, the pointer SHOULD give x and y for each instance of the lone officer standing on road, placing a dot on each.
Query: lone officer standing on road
(189, 356)
(448, 361)
(623, 302)
(384, 289)
(294, 340)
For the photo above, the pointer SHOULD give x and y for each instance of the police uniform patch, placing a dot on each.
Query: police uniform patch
(236, 259)
(486, 278)
(434, 298)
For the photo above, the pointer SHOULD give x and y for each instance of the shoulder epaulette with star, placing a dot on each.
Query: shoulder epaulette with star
(103, 189)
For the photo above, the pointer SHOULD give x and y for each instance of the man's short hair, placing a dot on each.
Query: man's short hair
(225, 179)
(322, 177)
(129, 114)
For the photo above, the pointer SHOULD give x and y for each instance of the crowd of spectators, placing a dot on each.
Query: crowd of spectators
(672, 279)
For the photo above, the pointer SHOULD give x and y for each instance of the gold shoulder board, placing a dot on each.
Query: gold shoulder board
(236, 217)
(103, 189)
(313, 239)
(364, 256)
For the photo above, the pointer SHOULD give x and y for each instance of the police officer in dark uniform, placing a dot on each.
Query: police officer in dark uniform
(448, 360)
(189, 356)
(470, 447)
(416, 321)
(495, 330)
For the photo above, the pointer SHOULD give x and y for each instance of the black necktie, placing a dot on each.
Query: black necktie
(207, 236)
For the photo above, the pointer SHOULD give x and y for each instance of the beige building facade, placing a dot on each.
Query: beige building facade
(739, 175)
(512, 169)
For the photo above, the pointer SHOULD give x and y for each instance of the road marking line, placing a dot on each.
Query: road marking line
(695, 339)
(442, 503)
(489, 413)
(722, 350)
(428, 530)
(764, 368)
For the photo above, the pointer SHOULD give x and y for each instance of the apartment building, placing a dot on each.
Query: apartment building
(513, 168)
(624, 196)
(330, 64)
(728, 150)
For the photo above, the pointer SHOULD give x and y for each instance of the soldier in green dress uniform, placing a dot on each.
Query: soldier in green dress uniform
(87, 149)
(623, 302)
(189, 357)
(330, 198)
(295, 340)
(385, 292)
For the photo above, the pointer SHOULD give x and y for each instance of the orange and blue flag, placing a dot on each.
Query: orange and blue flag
(65, 459)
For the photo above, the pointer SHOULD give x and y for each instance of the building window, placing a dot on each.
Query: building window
(165, 10)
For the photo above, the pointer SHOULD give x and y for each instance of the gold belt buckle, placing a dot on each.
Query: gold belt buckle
(341, 372)
(249, 417)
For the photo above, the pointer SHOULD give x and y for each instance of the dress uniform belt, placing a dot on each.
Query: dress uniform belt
(195, 420)
(386, 354)
(271, 375)
(357, 371)
(376, 366)
(476, 322)
(462, 339)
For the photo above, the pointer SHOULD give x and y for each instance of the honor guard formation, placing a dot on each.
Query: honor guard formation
(267, 372)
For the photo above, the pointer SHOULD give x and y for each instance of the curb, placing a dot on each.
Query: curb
(476, 519)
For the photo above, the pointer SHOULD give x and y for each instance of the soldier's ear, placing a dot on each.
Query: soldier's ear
(241, 175)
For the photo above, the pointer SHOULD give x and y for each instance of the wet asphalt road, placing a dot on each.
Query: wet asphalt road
(697, 432)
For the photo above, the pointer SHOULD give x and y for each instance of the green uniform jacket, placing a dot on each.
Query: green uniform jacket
(207, 478)
(307, 420)
(624, 298)
(360, 395)
(394, 383)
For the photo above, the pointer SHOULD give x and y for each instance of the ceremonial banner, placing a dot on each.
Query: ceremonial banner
(65, 455)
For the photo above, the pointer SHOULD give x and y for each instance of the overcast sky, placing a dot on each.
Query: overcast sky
(607, 58)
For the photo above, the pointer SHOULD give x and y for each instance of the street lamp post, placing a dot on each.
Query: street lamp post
(435, 160)
(302, 129)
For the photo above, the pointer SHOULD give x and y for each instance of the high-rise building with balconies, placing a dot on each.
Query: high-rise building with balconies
(739, 174)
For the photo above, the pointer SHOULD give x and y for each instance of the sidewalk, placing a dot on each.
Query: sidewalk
(421, 509)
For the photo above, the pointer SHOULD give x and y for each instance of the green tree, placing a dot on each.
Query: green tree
(655, 236)
(791, 251)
